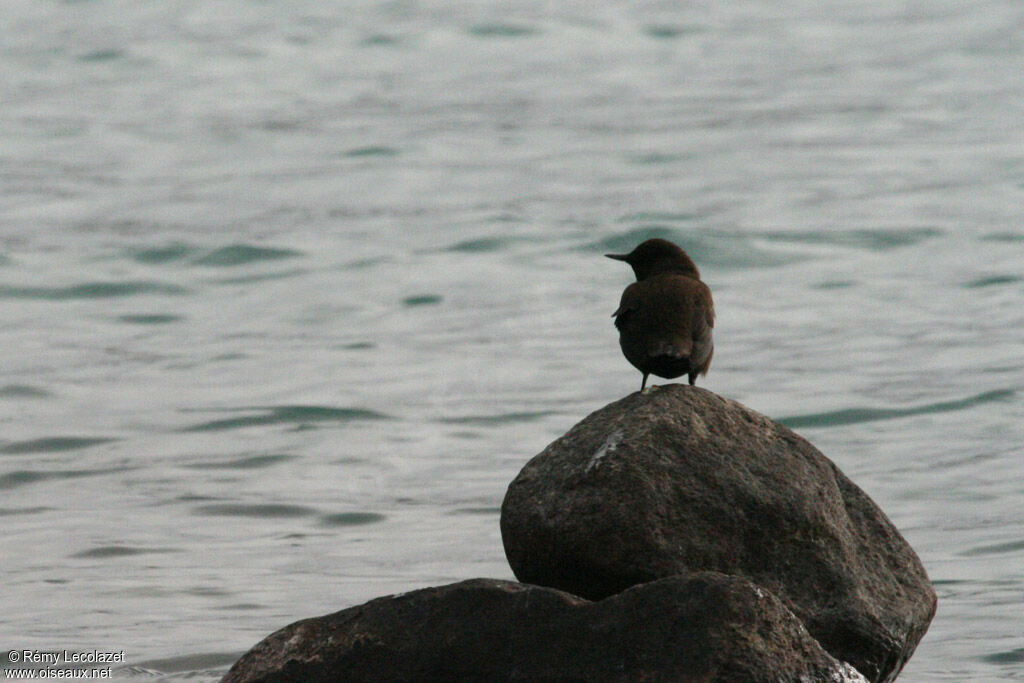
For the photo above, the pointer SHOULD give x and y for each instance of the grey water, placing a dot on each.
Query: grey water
(290, 291)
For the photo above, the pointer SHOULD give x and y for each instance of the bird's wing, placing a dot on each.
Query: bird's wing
(658, 319)
(709, 310)
(704, 320)
(627, 306)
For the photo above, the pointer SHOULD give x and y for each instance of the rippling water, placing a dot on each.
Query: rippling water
(291, 290)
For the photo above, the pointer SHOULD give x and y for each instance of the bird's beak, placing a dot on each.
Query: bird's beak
(618, 257)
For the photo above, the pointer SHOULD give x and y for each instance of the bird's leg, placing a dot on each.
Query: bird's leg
(693, 378)
(643, 383)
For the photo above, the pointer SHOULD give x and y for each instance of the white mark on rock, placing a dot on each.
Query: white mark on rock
(607, 447)
(848, 674)
(843, 674)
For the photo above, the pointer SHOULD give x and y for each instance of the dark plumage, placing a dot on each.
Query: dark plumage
(665, 317)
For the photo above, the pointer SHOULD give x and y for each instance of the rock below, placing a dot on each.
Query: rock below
(678, 480)
(705, 627)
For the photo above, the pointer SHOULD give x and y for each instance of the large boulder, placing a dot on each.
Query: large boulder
(706, 627)
(678, 479)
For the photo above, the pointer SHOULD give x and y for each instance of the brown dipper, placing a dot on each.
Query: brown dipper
(665, 317)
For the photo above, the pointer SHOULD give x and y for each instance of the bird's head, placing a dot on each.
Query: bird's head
(657, 256)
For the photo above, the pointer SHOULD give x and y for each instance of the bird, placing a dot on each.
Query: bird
(665, 317)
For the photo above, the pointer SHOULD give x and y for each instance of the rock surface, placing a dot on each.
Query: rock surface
(679, 479)
(704, 627)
